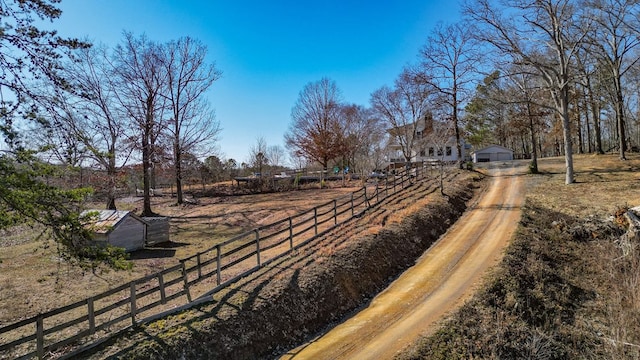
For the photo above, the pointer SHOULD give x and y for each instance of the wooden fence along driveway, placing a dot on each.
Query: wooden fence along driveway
(87, 323)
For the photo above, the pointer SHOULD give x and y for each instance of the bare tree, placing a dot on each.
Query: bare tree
(314, 132)
(364, 133)
(544, 35)
(141, 79)
(258, 156)
(402, 108)
(94, 116)
(526, 95)
(193, 127)
(297, 161)
(276, 155)
(587, 68)
(614, 39)
(451, 59)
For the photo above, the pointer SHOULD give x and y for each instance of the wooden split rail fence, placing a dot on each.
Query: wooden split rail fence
(86, 323)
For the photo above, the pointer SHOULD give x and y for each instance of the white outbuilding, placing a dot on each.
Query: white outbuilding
(492, 153)
(117, 228)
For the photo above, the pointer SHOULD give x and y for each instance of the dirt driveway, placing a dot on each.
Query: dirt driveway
(442, 279)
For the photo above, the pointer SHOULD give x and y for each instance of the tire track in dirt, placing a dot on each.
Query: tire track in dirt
(440, 281)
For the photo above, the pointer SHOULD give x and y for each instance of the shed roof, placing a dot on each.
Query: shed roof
(493, 147)
(104, 221)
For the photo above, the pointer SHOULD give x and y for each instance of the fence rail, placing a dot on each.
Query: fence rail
(85, 322)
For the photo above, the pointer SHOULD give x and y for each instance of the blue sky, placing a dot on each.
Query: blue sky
(269, 50)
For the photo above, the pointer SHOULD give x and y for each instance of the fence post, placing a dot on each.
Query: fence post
(394, 183)
(290, 233)
(91, 316)
(132, 296)
(40, 336)
(386, 185)
(366, 200)
(258, 246)
(163, 294)
(185, 280)
(335, 212)
(218, 258)
(315, 219)
(352, 211)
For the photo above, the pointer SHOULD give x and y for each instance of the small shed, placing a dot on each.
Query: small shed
(118, 228)
(157, 230)
(492, 153)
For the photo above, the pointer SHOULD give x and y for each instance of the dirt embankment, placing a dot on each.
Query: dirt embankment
(294, 299)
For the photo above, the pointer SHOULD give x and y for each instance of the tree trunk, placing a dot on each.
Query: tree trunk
(111, 204)
(455, 126)
(595, 114)
(540, 141)
(178, 168)
(152, 170)
(111, 178)
(588, 127)
(146, 178)
(566, 133)
(534, 152)
(622, 137)
(579, 126)
(324, 164)
(111, 197)
(146, 158)
(442, 177)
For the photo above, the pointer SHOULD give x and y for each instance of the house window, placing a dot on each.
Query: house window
(431, 151)
(440, 152)
(448, 150)
(423, 153)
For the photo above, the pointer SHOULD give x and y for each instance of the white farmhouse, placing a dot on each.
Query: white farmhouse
(443, 151)
(424, 144)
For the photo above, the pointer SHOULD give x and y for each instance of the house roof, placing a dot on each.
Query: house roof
(493, 146)
(420, 126)
(104, 221)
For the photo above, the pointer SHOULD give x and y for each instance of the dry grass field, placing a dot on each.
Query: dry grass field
(603, 183)
(33, 279)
